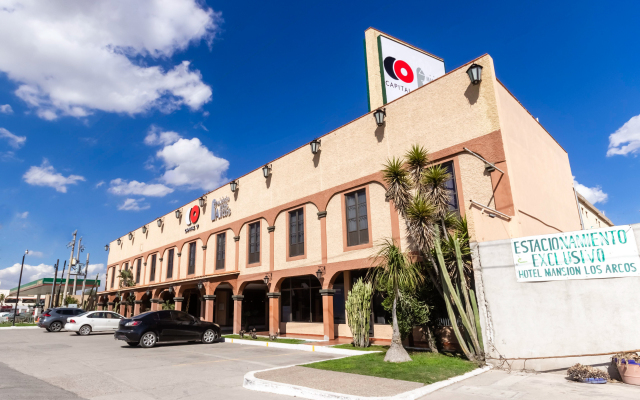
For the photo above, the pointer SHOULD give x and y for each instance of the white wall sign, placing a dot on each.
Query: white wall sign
(405, 69)
(588, 254)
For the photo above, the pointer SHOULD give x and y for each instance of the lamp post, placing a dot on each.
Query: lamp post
(15, 309)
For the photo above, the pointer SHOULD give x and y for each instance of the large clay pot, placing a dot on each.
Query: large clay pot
(630, 372)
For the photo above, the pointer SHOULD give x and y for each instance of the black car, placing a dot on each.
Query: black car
(165, 326)
(53, 319)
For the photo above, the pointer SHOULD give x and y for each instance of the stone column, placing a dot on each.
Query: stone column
(274, 312)
(209, 306)
(237, 312)
(136, 307)
(123, 308)
(178, 302)
(347, 288)
(327, 313)
(110, 305)
(102, 306)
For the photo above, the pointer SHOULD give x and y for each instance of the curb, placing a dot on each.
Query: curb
(301, 347)
(262, 385)
(19, 327)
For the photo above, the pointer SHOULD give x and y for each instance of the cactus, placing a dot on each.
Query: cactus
(358, 307)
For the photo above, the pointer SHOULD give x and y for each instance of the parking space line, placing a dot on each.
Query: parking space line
(232, 359)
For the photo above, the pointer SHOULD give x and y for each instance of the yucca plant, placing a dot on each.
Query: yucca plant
(440, 237)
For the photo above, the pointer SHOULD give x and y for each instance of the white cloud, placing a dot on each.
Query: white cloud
(156, 137)
(592, 194)
(71, 58)
(23, 215)
(97, 269)
(189, 163)
(6, 109)
(133, 205)
(9, 276)
(45, 175)
(33, 253)
(100, 184)
(121, 187)
(15, 141)
(626, 140)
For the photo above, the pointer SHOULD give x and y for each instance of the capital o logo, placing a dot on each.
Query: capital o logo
(398, 69)
(194, 214)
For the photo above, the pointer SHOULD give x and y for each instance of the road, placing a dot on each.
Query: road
(35, 364)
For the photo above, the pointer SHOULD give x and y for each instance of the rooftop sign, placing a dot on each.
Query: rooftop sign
(587, 254)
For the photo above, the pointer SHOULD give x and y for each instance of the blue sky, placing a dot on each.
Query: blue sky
(103, 107)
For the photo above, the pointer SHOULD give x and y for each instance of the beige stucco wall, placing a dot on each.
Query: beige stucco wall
(312, 240)
(539, 170)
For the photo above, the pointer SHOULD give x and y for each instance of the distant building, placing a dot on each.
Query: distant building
(592, 218)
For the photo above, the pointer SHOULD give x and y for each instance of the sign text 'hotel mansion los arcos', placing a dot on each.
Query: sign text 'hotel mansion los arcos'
(587, 254)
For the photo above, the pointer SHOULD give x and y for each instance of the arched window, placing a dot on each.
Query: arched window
(301, 300)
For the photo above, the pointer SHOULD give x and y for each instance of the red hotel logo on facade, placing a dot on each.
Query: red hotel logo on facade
(194, 215)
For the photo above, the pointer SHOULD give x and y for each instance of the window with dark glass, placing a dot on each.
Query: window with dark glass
(339, 312)
(296, 233)
(451, 185)
(192, 258)
(152, 274)
(126, 266)
(357, 223)
(254, 242)
(113, 276)
(170, 264)
(138, 268)
(221, 250)
(301, 299)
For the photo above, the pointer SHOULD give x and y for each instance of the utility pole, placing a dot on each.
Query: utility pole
(84, 279)
(15, 309)
(53, 287)
(78, 268)
(66, 283)
(57, 303)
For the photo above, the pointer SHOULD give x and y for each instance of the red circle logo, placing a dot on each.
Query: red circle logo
(194, 214)
(403, 71)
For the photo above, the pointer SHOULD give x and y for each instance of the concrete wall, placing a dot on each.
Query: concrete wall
(556, 318)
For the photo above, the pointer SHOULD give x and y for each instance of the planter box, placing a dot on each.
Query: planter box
(629, 371)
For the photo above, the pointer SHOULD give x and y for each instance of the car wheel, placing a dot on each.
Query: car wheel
(132, 344)
(85, 330)
(55, 327)
(209, 336)
(148, 340)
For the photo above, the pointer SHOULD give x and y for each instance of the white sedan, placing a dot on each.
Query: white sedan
(93, 321)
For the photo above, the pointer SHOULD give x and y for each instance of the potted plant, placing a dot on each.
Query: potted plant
(587, 374)
(628, 366)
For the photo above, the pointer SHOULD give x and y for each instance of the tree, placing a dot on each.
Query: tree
(2, 298)
(358, 307)
(421, 197)
(411, 312)
(168, 306)
(70, 300)
(393, 272)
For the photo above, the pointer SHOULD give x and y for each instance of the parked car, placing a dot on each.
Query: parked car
(93, 321)
(3, 316)
(54, 319)
(165, 326)
(21, 317)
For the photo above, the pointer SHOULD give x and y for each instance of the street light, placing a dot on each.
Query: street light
(15, 308)
(475, 73)
(379, 115)
(315, 146)
(234, 186)
(266, 170)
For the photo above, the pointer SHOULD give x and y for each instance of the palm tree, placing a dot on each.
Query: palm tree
(432, 228)
(392, 272)
(2, 298)
(126, 278)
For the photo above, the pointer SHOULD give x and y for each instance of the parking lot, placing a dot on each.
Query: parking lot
(35, 364)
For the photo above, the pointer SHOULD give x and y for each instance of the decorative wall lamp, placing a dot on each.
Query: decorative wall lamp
(160, 222)
(379, 115)
(315, 146)
(266, 170)
(119, 242)
(200, 285)
(475, 73)
(106, 247)
(144, 229)
(178, 213)
(267, 279)
(321, 271)
(202, 201)
(234, 186)
(130, 235)
(171, 290)
(148, 293)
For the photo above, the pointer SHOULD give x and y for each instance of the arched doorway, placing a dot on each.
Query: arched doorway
(192, 303)
(223, 312)
(167, 300)
(301, 300)
(255, 307)
(146, 302)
